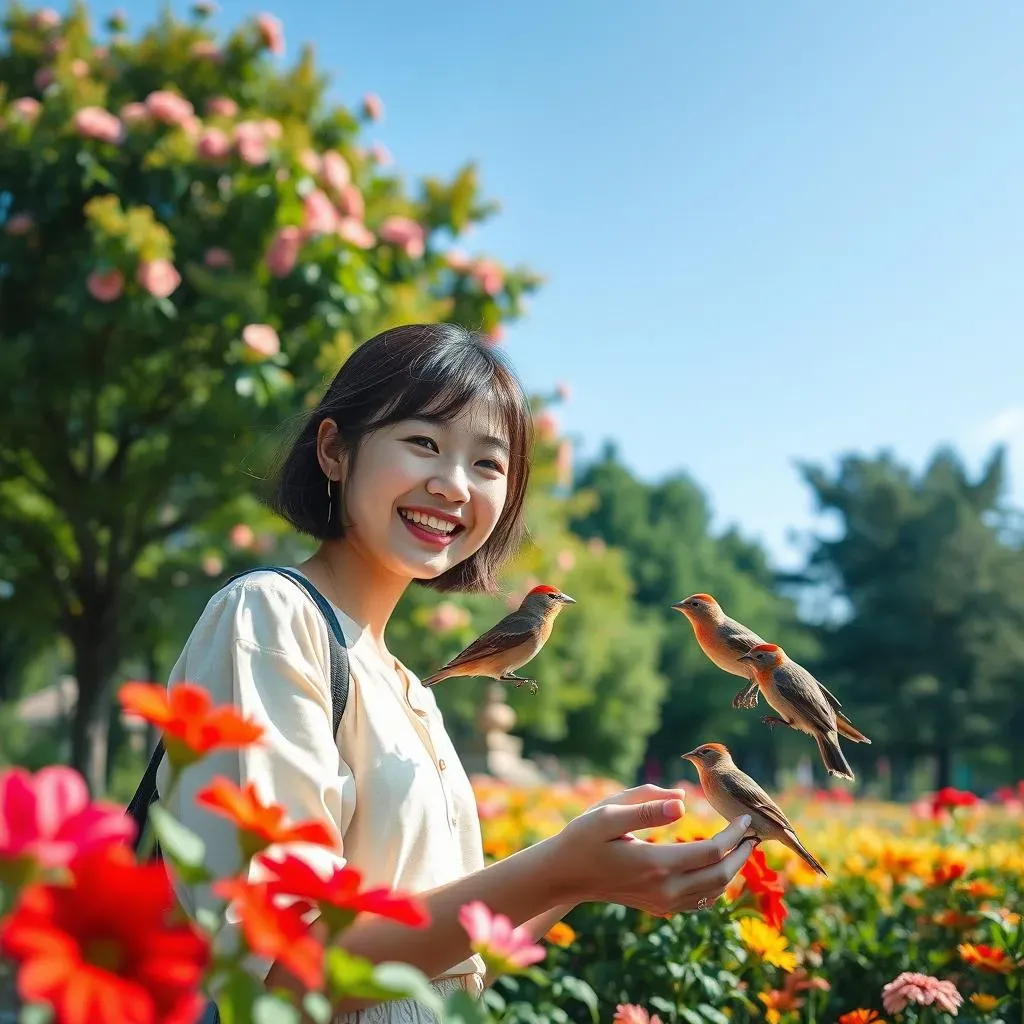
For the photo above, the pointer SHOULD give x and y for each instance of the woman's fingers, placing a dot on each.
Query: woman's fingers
(708, 852)
(642, 794)
(713, 879)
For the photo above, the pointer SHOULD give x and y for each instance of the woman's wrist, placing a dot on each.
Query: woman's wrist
(557, 871)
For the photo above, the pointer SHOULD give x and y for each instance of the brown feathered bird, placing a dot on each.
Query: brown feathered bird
(803, 704)
(723, 640)
(732, 793)
(510, 643)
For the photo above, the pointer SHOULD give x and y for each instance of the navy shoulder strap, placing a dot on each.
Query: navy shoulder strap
(146, 794)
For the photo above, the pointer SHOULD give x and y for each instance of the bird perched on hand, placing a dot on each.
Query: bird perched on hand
(510, 643)
(723, 640)
(804, 704)
(732, 793)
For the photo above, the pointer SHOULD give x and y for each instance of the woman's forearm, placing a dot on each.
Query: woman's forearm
(524, 887)
(539, 926)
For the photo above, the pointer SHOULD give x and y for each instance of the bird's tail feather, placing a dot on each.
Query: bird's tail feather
(846, 728)
(798, 848)
(832, 756)
(433, 680)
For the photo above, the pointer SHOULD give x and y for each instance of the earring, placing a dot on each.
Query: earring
(330, 500)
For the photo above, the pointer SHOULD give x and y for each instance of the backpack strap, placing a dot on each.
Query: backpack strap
(146, 794)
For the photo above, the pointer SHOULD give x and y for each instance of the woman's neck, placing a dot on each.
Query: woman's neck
(365, 592)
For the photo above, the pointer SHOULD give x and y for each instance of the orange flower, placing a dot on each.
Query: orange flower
(988, 958)
(944, 874)
(560, 934)
(259, 825)
(954, 919)
(190, 724)
(984, 1002)
(276, 932)
(979, 889)
(861, 1017)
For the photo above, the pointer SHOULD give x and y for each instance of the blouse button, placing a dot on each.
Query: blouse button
(441, 764)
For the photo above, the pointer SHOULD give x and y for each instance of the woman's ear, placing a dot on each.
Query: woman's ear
(328, 449)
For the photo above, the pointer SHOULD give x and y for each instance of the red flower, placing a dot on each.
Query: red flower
(948, 797)
(191, 725)
(766, 887)
(338, 896)
(274, 931)
(944, 874)
(102, 949)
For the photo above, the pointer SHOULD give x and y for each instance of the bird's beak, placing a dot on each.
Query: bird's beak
(679, 606)
(688, 757)
(744, 657)
(566, 599)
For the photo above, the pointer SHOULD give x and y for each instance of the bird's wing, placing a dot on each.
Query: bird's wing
(737, 637)
(802, 691)
(745, 790)
(513, 630)
(831, 698)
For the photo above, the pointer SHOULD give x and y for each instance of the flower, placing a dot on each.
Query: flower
(320, 216)
(158, 277)
(274, 931)
(105, 285)
(261, 339)
(373, 106)
(456, 259)
(94, 958)
(27, 108)
(218, 259)
(351, 202)
(505, 950)
(43, 77)
(355, 232)
(213, 144)
(221, 106)
(168, 107)
(339, 897)
(630, 1013)
(547, 426)
(764, 885)
(948, 872)
(488, 275)
(251, 143)
(97, 123)
(259, 825)
(335, 170)
(133, 113)
(861, 1017)
(205, 49)
(45, 17)
(79, 68)
(923, 989)
(448, 616)
(560, 934)
(212, 565)
(284, 251)
(191, 725)
(242, 536)
(767, 942)
(19, 224)
(381, 154)
(404, 233)
(988, 958)
(983, 1001)
(948, 797)
(271, 32)
(47, 819)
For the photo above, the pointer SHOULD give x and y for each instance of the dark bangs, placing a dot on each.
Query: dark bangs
(417, 370)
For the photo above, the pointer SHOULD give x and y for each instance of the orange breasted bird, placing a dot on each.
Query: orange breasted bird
(732, 793)
(803, 704)
(723, 640)
(510, 643)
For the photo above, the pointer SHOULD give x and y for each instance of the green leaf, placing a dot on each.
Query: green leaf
(711, 1014)
(269, 1009)
(405, 981)
(353, 976)
(461, 1008)
(318, 1006)
(35, 1013)
(180, 845)
(578, 989)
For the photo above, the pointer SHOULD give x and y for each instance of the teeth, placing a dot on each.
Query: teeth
(432, 522)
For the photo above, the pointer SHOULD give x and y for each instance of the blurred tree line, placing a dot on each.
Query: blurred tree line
(191, 242)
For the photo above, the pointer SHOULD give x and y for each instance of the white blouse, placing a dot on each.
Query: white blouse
(390, 786)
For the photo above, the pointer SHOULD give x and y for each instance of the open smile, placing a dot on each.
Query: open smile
(430, 526)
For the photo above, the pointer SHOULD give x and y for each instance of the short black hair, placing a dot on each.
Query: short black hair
(402, 373)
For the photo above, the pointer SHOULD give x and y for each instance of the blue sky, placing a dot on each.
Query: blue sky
(770, 231)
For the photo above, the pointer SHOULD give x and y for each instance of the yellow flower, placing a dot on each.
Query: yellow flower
(984, 1002)
(560, 934)
(767, 942)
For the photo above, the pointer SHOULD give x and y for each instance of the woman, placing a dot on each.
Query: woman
(413, 467)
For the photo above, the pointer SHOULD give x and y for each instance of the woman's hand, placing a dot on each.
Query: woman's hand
(601, 860)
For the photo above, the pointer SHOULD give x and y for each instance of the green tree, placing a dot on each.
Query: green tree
(190, 240)
(929, 638)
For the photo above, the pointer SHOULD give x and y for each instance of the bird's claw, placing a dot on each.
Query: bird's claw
(534, 687)
(771, 721)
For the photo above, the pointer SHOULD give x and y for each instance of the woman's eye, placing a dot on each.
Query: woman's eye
(491, 464)
(423, 442)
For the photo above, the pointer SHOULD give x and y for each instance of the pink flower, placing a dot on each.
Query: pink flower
(504, 949)
(630, 1013)
(335, 171)
(320, 216)
(404, 233)
(261, 339)
(350, 202)
(242, 536)
(547, 426)
(97, 123)
(447, 616)
(48, 819)
(168, 107)
(489, 276)
(922, 989)
(310, 161)
(218, 259)
(565, 560)
(213, 144)
(42, 78)
(381, 154)
(133, 113)
(271, 33)
(212, 565)
(284, 251)
(19, 224)
(205, 49)
(46, 17)
(457, 260)
(27, 108)
(79, 68)
(251, 142)
(105, 285)
(356, 233)
(373, 107)
(271, 129)
(221, 106)
(563, 463)
(158, 277)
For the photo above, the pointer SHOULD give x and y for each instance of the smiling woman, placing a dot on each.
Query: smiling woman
(412, 468)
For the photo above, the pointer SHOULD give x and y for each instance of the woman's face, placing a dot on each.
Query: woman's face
(424, 495)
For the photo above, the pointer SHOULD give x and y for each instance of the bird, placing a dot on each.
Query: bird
(803, 704)
(731, 793)
(723, 640)
(510, 643)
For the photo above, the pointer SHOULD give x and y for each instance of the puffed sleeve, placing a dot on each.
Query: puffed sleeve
(262, 646)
